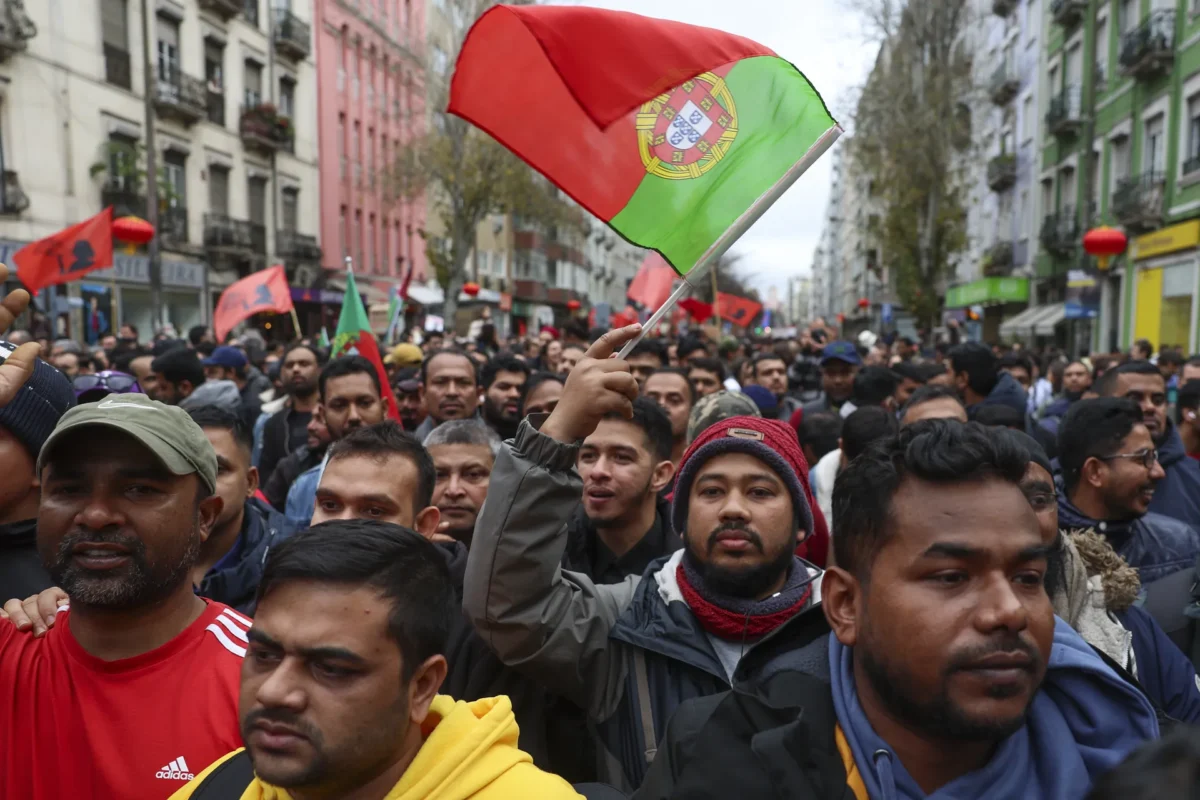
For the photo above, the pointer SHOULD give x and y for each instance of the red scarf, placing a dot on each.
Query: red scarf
(727, 624)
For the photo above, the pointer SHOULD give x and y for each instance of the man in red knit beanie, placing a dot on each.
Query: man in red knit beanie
(630, 653)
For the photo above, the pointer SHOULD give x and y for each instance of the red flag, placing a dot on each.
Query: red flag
(652, 285)
(265, 290)
(620, 319)
(738, 310)
(699, 310)
(67, 255)
(404, 283)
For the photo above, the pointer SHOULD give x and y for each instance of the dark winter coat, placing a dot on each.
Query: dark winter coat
(21, 570)
(1178, 494)
(1006, 392)
(237, 584)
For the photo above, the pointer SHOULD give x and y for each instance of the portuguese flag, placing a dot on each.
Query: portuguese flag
(354, 336)
(677, 136)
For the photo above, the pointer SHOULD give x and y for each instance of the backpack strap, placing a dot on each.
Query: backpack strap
(228, 781)
(645, 704)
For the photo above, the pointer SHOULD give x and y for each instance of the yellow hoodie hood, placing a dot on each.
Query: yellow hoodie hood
(470, 751)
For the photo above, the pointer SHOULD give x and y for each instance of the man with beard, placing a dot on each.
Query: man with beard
(351, 398)
(1077, 379)
(944, 673)
(93, 708)
(629, 653)
(287, 430)
(449, 389)
(840, 362)
(675, 394)
(296, 463)
(407, 387)
(1178, 492)
(340, 693)
(503, 380)
(463, 451)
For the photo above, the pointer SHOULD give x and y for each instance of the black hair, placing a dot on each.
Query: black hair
(178, 365)
(388, 438)
(1166, 767)
(942, 451)
(769, 355)
(689, 345)
(399, 563)
(1188, 398)
(1106, 386)
(873, 386)
(655, 424)
(998, 416)
(120, 360)
(908, 371)
(713, 365)
(535, 380)
(1171, 356)
(927, 393)
(651, 347)
(681, 372)
(977, 360)
(348, 365)
(131, 327)
(1019, 360)
(865, 426)
(163, 346)
(317, 352)
(196, 334)
(497, 364)
(931, 371)
(820, 432)
(206, 349)
(1093, 429)
(212, 416)
(449, 351)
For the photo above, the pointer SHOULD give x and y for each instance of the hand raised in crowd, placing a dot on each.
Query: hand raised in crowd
(597, 386)
(19, 364)
(37, 612)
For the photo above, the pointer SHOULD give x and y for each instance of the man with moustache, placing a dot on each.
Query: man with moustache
(287, 430)
(503, 381)
(463, 452)
(449, 389)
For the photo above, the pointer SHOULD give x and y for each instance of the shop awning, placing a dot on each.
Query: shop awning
(988, 291)
(426, 295)
(1044, 325)
(1022, 323)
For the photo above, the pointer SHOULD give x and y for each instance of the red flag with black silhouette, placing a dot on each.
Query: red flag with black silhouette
(738, 310)
(652, 285)
(264, 291)
(67, 255)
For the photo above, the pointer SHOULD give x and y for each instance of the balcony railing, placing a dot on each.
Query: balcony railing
(225, 9)
(1002, 8)
(173, 227)
(297, 247)
(1148, 50)
(182, 97)
(224, 234)
(264, 129)
(16, 28)
(117, 67)
(1002, 172)
(292, 35)
(999, 259)
(124, 198)
(258, 238)
(1063, 117)
(1067, 12)
(1137, 202)
(214, 106)
(13, 199)
(1004, 85)
(1060, 235)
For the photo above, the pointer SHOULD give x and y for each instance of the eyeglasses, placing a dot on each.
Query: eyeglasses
(117, 384)
(1148, 458)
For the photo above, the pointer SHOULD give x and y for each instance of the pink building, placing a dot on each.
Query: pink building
(370, 101)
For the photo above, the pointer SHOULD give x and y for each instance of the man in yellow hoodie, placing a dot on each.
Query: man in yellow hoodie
(339, 692)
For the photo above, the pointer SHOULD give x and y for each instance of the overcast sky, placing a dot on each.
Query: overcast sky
(822, 38)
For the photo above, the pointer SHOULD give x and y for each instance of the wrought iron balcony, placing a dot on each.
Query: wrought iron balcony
(297, 247)
(125, 198)
(264, 129)
(1137, 202)
(181, 97)
(1002, 8)
(1063, 117)
(998, 261)
(16, 28)
(258, 238)
(13, 199)
(1060, 234)
(293, 36)
(1148, 50)
(1002, 172)
(117, 69)
(1067, 12)
(173, 227)
(1004, 85)
(225, 9)
(223, 234)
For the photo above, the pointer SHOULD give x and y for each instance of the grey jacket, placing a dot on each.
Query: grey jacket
(214, 393)
(627, 653)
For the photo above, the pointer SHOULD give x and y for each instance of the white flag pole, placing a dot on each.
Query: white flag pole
(738, 229)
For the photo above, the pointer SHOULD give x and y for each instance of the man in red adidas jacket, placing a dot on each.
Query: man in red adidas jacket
(134, 689)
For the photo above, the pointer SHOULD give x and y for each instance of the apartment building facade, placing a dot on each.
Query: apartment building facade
(234, 119)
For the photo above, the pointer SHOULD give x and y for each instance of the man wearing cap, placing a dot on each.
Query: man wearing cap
(25, 424)
(839, 364)
(629, 653)
(230, 364)
(180, 380)
(408, 398)
(135, 687)
(402, 356)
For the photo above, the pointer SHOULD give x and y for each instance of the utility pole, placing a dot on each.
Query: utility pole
(155, 267)
(273, 92)
(1087, 100)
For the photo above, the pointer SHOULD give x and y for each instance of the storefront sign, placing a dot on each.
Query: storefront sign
(1083, 296)
(127, 268)
(325, 296)
(988, 290)
(1170, 239)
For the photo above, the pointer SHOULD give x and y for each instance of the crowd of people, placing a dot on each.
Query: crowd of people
(555, 573)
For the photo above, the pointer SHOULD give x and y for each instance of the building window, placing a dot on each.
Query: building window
(289, 202)
(123, 164)
(175, 179)
(1192, 164)
(114, 23)
(1154, 150)
(371, 157)
(354, 142)
(218, 189)
(371, 265)
(287, 98)
(250, 10)
(252, 98)
(1028, 119)
(1127, 14)
(168, 50)
(214, 79)
(1120, 161)
(257, 192)
(358, 235)
(342, 232)
(341, 143)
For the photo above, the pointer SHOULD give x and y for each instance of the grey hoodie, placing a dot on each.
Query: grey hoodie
(224, 394)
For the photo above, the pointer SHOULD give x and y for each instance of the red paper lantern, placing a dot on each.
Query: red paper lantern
(574, 305)
(471, 289)
(133, 231)
(1104, 243)
(864, 302)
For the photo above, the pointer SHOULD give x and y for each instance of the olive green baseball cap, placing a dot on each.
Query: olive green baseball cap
(167, 431)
